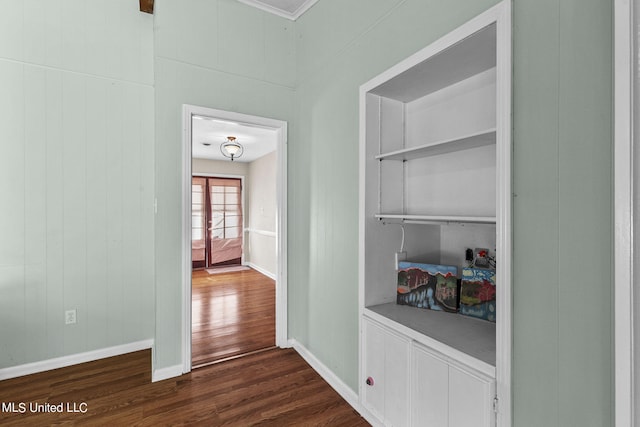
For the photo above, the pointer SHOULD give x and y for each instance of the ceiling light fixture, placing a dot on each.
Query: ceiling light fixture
(231, 148)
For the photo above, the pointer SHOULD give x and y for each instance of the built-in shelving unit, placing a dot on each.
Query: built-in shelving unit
(435, 180)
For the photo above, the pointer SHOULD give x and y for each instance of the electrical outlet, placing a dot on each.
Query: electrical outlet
(70, 317)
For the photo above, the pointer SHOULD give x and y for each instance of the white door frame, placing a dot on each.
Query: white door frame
(281, 219)
(623, 211)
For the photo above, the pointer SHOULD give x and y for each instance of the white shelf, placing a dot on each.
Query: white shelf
(463, 339)
(439, 218)
(479, 139)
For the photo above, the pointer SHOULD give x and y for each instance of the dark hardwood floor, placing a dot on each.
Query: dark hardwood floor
(272, 388)
(232, 314)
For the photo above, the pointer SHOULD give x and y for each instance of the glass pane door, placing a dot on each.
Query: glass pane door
(226, 221)
(216, 218)
(198, 222)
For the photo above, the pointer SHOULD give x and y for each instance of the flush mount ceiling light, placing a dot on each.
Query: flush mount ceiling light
(231, 148)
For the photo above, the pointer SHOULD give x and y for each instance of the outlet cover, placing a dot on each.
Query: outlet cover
(70, 317)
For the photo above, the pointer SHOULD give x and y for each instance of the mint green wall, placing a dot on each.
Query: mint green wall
(212, 53)
(562, 177)
(341, 46)
(79, 113)
(76, 177)
(562, 212)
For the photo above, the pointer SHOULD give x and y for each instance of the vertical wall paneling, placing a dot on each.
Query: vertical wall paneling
(132, 246)
(11, 22)
(74, 207)
(536, 210)
(76, 162)
(12, 222)
(35, 168)
(54, 196)
(585, 214)
(96, 177)
(221, 64)
(115, 207)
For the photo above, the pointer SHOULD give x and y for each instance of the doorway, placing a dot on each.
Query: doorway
(279, 128)
(216, 222)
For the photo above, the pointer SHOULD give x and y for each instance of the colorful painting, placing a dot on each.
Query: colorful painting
(478, 293)
(430, 286)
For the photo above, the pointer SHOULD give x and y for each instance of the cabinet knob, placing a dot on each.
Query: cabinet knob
(369, 381)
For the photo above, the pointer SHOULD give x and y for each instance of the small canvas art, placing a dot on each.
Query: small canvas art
(430, 286)
(478, 293)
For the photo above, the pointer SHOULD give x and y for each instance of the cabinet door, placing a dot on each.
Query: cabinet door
(396, 377)
(386, 364)
(373, 359)
(429, 390)
(470, 399)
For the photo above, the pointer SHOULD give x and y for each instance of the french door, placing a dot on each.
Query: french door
(216, 221)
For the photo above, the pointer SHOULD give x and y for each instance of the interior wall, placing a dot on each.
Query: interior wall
(341, 46)
(206, 166)
(563, 212)
(562, 355)
(76, 177)
(261, 238)
(219, 54)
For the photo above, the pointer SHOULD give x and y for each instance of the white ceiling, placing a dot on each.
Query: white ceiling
(256, 140)
(290, 9)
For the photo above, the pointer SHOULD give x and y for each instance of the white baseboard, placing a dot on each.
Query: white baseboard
(327, 374)
(166, 373)
(74, 359)
(336, 383)
(262, 270)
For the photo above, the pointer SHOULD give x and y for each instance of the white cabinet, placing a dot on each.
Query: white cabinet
(408, 384)
(435, 177)
(429, 389)
(386, 374)
(470, 399)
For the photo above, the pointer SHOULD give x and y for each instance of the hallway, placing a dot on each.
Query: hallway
(232, 314)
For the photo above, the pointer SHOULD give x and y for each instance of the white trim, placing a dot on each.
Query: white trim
(261, 270)
(165, 373)
(501, 15)
(281, 222)
(73, 359)
(332, 379)
(327, 374)
(623, 213)
(504, 300)
(268, 8)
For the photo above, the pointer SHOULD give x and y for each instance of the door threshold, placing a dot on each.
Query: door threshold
(237, 356)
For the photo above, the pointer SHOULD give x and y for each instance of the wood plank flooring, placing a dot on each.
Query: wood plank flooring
(232, 313)
(272, 388)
